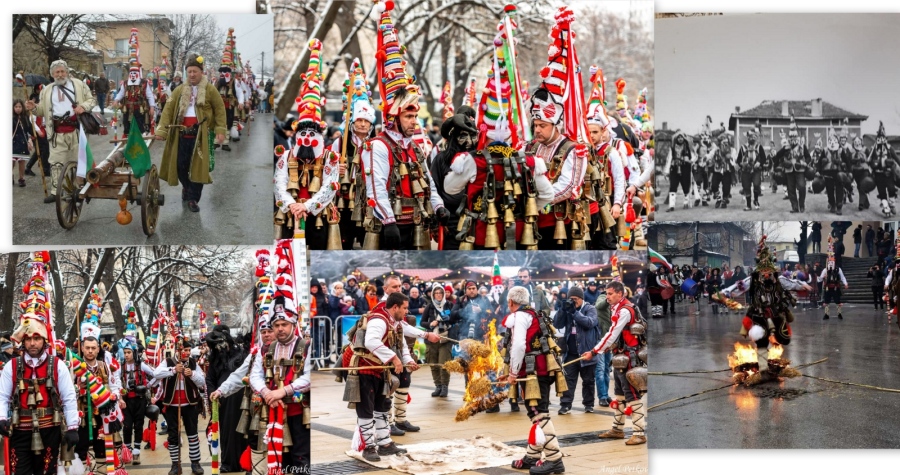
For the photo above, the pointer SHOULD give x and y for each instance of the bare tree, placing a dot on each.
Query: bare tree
(55, 34)
(194, 34)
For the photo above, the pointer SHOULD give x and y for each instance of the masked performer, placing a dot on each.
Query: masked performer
(231, 95)
(38, 408)
(751, 160)
(306, 174)
(224, 359)
(832, 279)
(831, 168)
(136, 99)
(399, 188)
(680, 158)
(350, 198)
(884, 167)
(768, 318)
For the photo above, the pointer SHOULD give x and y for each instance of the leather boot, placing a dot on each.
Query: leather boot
(437, 391)
(445, 390)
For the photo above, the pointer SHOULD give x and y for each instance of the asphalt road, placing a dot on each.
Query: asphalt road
(234, 210)
(796, 413)
(772, 207)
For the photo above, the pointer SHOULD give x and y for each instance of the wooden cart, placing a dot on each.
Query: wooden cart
(111, 179)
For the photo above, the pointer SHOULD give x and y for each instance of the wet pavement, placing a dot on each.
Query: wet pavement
(236, 209)
(333, 424)
(795, 413)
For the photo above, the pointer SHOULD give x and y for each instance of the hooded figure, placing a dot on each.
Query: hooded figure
(224, 358)
(885, 168)
(453, 167)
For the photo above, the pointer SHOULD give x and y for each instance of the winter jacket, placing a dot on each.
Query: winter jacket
(587, 332)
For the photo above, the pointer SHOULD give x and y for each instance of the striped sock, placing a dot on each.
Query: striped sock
(194, 447)
(174, 454)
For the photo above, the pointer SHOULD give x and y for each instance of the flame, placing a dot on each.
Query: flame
(743, 354)
(483, 364)
(775, 352)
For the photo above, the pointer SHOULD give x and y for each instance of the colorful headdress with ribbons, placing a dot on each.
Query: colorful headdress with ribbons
(311, 102)
(395, 85)
(36, 315)
(562, 79)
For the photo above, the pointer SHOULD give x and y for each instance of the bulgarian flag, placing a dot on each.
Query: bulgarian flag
(496, 278)
(85, 157)
(136, 151)
(658, 259)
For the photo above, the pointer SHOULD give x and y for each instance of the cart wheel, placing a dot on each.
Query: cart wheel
(68, 205)
(150, 201)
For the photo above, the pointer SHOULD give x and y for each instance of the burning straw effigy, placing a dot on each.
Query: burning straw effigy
(482, 364)
(745, 367)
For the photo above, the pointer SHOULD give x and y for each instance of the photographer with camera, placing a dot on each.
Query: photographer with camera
(473, 311)
(437, 318)
(578, 322)
(539, 300)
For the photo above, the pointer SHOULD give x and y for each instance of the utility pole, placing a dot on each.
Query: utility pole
(697, 243)
(262, 65)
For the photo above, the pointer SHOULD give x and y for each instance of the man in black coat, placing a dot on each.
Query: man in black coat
(578, 322)
(225, 357)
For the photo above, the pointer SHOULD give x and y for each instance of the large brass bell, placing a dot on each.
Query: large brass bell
(561, 385)
(334, 236)
(345, 177)
(532, 392)
(578, 245)
(531, 207)
(528, 235)
(559, 233)
(402, 169)
(417, 188)
(372, 241)
(37, 445)
(492, 213)
(517, 189)
(319, 223)
(341, 203)
(508, 217)
(315, 184)
(468, 244)
(507, 186)
(397, 207)
(418, 240)
(287, 440)
(491, 238)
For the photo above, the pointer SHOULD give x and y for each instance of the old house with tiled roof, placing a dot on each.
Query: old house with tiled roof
(812, 117)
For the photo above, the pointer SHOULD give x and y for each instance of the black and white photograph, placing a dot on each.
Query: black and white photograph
(796, 122)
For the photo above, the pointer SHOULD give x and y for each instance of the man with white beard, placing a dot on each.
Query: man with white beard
(60, 106)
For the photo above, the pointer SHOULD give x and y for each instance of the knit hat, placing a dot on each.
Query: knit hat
(90, 325)
(576, 292)
(621, 98)
(310, 102)
(228, 54)
(35, 319)
(395, 86)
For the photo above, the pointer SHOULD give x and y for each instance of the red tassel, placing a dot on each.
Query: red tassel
(120, 471)
(747, 322)
(536, 435)
(629, 212)
(127, 456)
(408, 398)
(614, 404)
(246, 463)
(628, 411)
(166, 445)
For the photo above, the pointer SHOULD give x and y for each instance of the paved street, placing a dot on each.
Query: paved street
(333, 425)
(772, 207)
(796, 413)
(234, 210)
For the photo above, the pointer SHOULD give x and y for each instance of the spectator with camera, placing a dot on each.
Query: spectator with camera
(438, 319)
(473, 311)
(578, 322)
(538, 299)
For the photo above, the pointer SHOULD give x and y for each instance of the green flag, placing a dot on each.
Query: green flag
(136, 151)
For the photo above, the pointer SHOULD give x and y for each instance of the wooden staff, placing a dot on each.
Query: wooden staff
(500, 383)
(214, 444)
(356, 368)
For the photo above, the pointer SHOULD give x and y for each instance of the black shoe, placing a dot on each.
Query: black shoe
(445, 391)
(50, 199)
(564, 410)
(493, 409)
(226, 148)
(437, 391)
(147, 446)
(371, 454)
(396, 431)
(192, 205)
(390, 449)
(718, 204)
(837, 212)
(524, 463)
(28, 172)
(196, 468)
(826, 317)
(406, 426)
(589, 409)
(802, 209)
(176, 468)
(840, 316)
(604, 402)
(514, 407)
(545, 467)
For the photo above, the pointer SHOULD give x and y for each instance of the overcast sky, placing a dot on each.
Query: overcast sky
(709, 65)
(253, 36)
